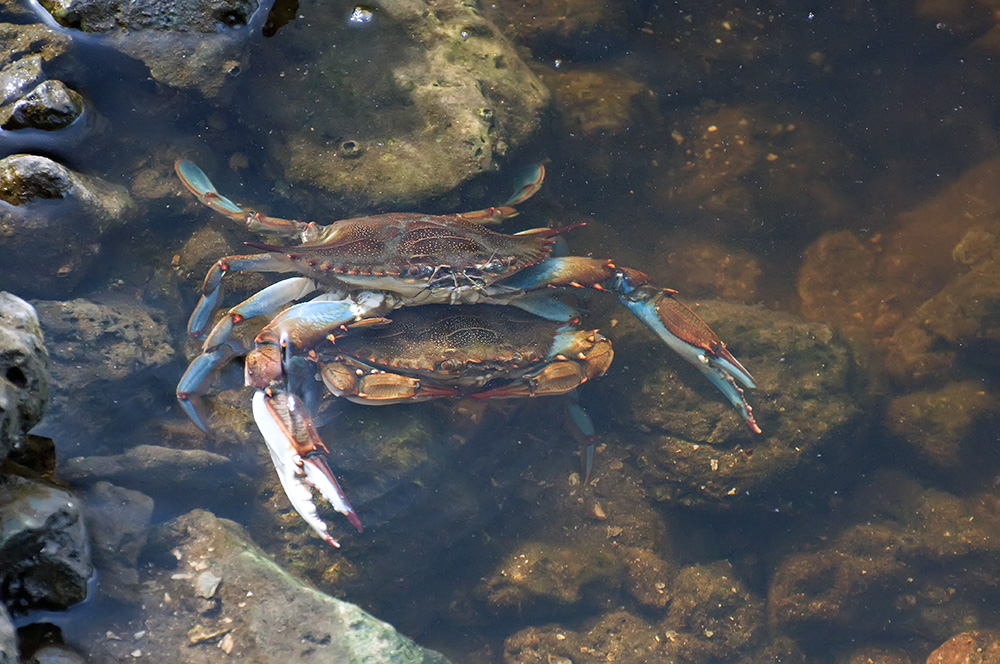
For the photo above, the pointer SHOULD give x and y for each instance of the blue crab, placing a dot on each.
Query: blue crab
(355, 272)
(423, 353)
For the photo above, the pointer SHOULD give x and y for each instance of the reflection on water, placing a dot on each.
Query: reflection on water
(821, 185)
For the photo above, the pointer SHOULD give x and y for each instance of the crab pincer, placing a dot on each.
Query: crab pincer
(299, 457)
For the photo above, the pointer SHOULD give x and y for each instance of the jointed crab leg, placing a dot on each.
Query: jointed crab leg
(300, 326)
(297, 452)
(211, 287)
(527, 187)
(195, 180)
(672, 321)
(191, 381)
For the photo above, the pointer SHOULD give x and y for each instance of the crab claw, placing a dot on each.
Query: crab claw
(691, 338)
(298, 455)
(195, 180)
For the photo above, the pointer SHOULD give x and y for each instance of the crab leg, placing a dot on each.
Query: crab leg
(259, 304)
(672, 321)
(212, 286)
(191, 381)
(528, 186)
(195, 180)
(299, 457)
(305, 325)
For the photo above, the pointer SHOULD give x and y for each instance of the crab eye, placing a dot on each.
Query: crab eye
(494, 266)
(419, 271)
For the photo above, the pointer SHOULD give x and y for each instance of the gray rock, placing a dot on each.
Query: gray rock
(89, 208)
(51, 105)
(44, 554)
(257, 612)
(205, 41)
(153, 469)
(99, 342)
(104, 16)
(54, 653)
(118, 521)
(20, 76)
(8, 639)
(24, 364)
(102, 358)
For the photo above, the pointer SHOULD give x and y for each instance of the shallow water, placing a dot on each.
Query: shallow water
(715, 147)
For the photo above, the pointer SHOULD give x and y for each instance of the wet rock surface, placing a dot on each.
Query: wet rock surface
(208, 38)
(104, 358)
(8, 639)
(49, 106)
(88, 209)
(118, 521)
(44, 550)
(218, 594)
(153, 469)
(24, 365)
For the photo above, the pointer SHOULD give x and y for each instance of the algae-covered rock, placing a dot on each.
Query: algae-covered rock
(712, 614)
(951, 426)
(408, 106)
(912, 562)
(538, 577)
(972, 647)
(212, 591)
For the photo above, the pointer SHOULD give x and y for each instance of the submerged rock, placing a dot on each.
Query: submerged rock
(615, 637)
(190, 44)
(88, 209)
(975, 647)
(392, 112)
(154, 469)
(44, 551)
(103, 360)
(24, 364)
(118, 520)
(8, 639)
(696, 451)
(254, 610)
(713, 617)
(914, 562)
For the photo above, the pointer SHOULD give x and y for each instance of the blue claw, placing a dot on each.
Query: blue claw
(688, 336)
(198, 184)
(191, 381)
(527, 185)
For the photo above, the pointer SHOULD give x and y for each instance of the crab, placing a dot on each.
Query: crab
(356, 272)
(423, 353)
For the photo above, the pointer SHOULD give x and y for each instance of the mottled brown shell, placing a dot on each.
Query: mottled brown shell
(444, 343)
(413, 246)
